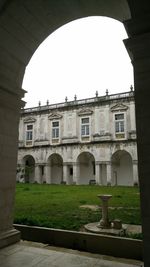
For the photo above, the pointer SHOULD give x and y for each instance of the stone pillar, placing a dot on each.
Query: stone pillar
(138, 46)
(37, 173)
(98, 174)
(132, 117)
(48, 174)
(43, 174)
(10, 105)
(65, 173)
(135, 172)
(108, 173)
(76, 178)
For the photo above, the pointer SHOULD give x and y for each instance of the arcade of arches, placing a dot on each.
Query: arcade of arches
(120, 170)
(23, 26)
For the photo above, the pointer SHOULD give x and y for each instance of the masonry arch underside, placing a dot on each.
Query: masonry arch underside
(86, 168)
(122, 168)
(55, 169)
(28, 163)
(45, 17)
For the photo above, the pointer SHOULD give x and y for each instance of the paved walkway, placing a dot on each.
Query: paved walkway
(27, 254)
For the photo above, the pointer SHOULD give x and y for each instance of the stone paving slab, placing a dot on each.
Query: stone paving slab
(30, 254)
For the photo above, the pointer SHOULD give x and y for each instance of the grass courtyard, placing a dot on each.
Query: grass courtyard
(65, 207)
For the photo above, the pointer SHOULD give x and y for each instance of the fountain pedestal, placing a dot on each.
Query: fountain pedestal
(104, 222)
(104, 226)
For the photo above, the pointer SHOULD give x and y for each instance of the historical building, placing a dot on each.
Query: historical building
(80, 142)
(24, 26)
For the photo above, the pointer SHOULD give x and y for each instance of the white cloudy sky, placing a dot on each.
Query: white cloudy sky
(79, 58)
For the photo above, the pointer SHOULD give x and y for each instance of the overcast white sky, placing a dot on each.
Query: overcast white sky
(79, 58)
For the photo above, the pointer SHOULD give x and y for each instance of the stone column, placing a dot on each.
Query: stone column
(132, 117)
(76, 178)
(48, 174)
(108, 173)
(98, 174)
(135, 172)
(43, 174)
(10, 105)
(65, 173)
(138, 46)
(37, 174)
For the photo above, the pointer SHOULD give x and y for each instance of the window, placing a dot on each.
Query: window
(119, 125)
(55, 129)
(29, 134)
(85, 129)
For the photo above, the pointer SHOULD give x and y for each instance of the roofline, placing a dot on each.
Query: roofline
(76, 102)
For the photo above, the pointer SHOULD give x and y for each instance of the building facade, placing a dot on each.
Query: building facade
(80, 142)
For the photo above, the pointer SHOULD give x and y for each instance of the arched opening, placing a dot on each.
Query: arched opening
(29, 169)
(55, 169)
(29, 25)
(86, 51)
(86, 165)
(122, 168)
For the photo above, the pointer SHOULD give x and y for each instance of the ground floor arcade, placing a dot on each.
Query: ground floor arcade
(100, 164)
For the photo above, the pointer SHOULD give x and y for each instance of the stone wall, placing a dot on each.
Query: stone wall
(88, 143)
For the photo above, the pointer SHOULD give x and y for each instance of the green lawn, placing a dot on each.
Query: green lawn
(58, 206)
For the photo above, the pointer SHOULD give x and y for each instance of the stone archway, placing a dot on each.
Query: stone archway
(55, 169)
(29, 169)
(24, 25)
(122, 168)
(86, 165)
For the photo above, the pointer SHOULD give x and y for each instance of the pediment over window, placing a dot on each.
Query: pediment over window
(29, 120)
(84, 112)
(54, 116)
(119, 107)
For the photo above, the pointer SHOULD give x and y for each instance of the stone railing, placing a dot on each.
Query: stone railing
(78, 102)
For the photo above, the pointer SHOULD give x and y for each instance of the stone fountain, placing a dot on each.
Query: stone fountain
(105, 226)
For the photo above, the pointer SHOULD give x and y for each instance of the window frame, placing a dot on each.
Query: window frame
(121, 125)
(55, 130)
(29, 134)
(85, 127)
